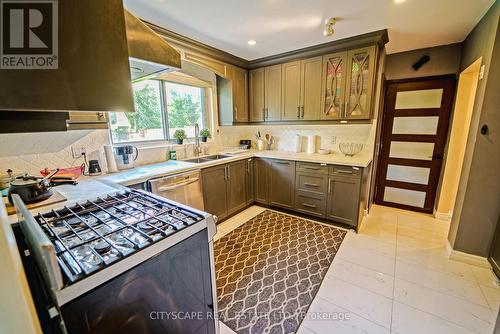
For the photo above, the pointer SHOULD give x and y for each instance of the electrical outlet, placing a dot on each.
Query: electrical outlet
(334, 139)
(78, 151)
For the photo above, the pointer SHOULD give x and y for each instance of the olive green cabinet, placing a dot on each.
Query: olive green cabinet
(344, 189)
(224, 188)
(348, 84)
(261, 180)
(291, 91)
(239, 78)
(282, 183)
(265, 94)
(214, 190)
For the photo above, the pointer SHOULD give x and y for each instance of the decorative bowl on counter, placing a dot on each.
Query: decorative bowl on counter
(324, 151)
(350, 149)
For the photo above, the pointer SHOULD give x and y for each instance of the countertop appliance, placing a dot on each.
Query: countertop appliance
(94, 168)
(246, 143)
(125, 156)
(183, 188)
(111, 263)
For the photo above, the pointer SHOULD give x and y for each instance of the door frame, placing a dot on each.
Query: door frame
(439, 147)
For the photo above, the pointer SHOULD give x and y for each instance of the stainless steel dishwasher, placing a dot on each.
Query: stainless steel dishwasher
(183, 188)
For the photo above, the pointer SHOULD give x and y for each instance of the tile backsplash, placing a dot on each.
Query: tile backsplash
(31, 152)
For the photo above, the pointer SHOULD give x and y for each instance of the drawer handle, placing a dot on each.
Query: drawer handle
(311, 184)
(282, 162)
(344, 171)
(309, 205)
(312, 168)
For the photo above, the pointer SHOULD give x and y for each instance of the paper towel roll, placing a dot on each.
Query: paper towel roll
(311, 144)
(298, 143)
(110, 159)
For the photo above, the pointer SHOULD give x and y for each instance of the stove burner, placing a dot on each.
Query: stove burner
(74, 222)
(145, 226)
(102, 247)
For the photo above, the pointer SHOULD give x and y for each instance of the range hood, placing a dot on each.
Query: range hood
(149, 54)
(96, 52)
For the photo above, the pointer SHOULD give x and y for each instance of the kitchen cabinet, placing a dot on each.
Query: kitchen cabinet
(87, 120)
(281, 183)
(311, 188)
(224, 188)
(343, 198)
(250, 181)
(261, 181)
(236, 186)
(256, 95)
(265, 94)
(239, 78)
(348, 83)
(302, 89)
(214, 190)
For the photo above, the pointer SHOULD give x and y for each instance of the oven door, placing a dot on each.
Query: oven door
(182, 188)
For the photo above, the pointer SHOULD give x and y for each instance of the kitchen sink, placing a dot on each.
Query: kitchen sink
(208, 158)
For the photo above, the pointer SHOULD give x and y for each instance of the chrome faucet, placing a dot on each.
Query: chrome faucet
(197, 147)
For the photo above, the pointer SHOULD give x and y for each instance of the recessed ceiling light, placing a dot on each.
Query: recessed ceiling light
(399, 1)
(252, 42)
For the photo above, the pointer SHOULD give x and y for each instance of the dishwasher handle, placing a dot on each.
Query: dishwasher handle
(177, 185)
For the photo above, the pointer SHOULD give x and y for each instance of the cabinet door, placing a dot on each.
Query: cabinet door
(250, 181)
(291, 91)
(282, 183)
(214, 190)
(334, 84)
(273, 93)
(261, 181)
(310, 104)
(240, 97)
(343, 199)
(236, 186)
(359, 89)
(256, 101)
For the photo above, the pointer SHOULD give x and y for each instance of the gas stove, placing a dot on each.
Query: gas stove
(90, 236)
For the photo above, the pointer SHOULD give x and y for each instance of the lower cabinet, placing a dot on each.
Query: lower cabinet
(261, 180)
(282, 183)
(224, 188)
(343, 199)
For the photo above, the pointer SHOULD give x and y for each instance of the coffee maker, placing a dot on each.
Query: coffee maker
(125, 156)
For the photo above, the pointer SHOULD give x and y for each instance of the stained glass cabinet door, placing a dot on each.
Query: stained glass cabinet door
(334, 83)
(361, 65)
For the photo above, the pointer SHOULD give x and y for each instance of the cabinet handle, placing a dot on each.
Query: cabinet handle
(298, 111)
(329, 186)
(228, 172)
(346, 109)
(248, 165)
(341, 171)
(342, 109)
(311, 168)
(282, 162)
(309, 205)
(267, 113)
(311, 184)
(302, 108)
(225, 173)
(264, 113)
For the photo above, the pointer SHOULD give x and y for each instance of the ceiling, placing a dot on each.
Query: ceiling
(285, 25)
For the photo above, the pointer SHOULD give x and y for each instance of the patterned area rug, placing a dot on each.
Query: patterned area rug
(269, 269)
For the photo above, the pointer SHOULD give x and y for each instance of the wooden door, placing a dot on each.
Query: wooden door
(240, 98)
(310, 97)
(256, 100)
(250, 181)
(334, 85)
(272, 93)
(236, 186)
(261, 181)
(414, 131)
(291, 91)
(214, 190)
(282, 183)
(359, 89)
(343, 199)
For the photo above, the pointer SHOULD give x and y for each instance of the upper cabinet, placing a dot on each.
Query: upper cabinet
(239, 79)
(291, 91)
(348, 84)
(265, 94)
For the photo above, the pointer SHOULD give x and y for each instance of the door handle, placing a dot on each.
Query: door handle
(302, 114)
(309, 205)
(298, 111)
(267, 113)
(264, 113)
(311, 184)
(329, 186)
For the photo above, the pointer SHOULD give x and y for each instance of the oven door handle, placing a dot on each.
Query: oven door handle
(177, 185)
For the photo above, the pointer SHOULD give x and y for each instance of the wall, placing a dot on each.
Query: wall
(444, 60)
(477, 206)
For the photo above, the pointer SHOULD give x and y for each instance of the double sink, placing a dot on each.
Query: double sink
(208, 158)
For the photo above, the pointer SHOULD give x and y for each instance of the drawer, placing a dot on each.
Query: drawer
(345, 170)
(311, 205)
(315, 183)
(313, 168)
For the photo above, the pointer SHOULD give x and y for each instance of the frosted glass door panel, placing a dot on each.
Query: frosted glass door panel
(411, 150)
(419, 99)
(404, 196)
(410, 174)
(423, 125)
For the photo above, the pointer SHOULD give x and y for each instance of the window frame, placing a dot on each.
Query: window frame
(164, 113)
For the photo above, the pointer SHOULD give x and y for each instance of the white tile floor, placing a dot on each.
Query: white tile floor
(394, 276)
